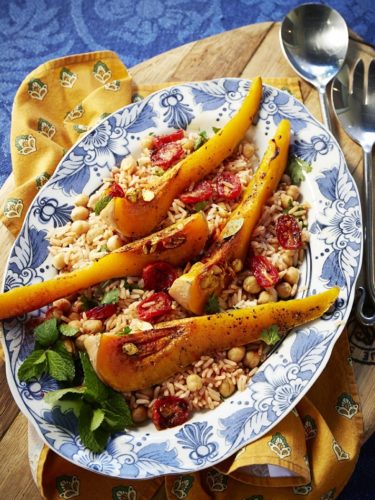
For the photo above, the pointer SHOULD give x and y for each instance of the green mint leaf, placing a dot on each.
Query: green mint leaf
(94, 440)
(60, 366)
(270, 335)
(212, 305)
(296, 168)
(125, 331)
(95, 389)
(201, 205)
(117, 412)
(87, 303)
(52, 397)
(47, 333)
(102, 203)
(202, 138)
(97, 419)
(68, 330)
(111, 297)
(216, 130)
(33, 366)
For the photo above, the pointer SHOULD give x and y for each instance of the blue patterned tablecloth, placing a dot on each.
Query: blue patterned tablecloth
(34, 31)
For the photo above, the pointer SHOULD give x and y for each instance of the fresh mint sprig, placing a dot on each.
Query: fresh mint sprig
(102, 411)
(49, 356)
(270, 335)
(296, 168)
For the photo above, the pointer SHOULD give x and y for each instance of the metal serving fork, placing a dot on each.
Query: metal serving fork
(354, 105)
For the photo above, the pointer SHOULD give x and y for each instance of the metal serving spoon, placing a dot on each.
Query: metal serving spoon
(314, 39)
(353, 98)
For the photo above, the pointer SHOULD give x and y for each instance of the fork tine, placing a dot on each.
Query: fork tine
(358, 85)
(371, 83)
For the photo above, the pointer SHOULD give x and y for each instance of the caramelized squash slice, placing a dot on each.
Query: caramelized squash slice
(125, 214)
(211, 275)
(176, 244)
(171, 346)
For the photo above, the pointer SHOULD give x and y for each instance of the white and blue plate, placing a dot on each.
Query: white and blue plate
(333, 258)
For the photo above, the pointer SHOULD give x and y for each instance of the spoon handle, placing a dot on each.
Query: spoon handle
(324, 105)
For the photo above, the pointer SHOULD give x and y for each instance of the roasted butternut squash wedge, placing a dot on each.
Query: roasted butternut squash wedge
(212, 274)
(176, 244)
(125, 213)
(159, 353)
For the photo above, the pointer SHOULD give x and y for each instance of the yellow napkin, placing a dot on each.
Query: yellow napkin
(312, 451)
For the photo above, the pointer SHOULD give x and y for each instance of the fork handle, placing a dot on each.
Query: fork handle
(369, 251)
(324, 106)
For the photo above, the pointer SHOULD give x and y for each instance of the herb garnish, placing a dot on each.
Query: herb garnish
(295, 168)
(49, 356)
(102, 203)
(270, 336)
(212, 305)
(102, 411)
(201, 139)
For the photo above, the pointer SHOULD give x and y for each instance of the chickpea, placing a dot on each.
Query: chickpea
(227, 388)
(129, 163)
(236, 354)
(59, 261)
(286, 200)
(139, 414)
(75, 323)
(284, 290)
(74, 316)
(93, 200)
(114, 243)
(54, 313)
(147, 142)
(81, 200)
(194, 382)
(293, 191)
(80, 227)
(250, 285)
(188, 145)
(269, 295)
(248, 150)
(69, 345)
(252, 359)
(92, 326)
(80, 213)
(63, 304)
(292, 275)
(237, 265)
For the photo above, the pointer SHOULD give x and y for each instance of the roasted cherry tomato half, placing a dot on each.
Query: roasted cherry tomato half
(153, 307)
(288, 232)
(170, 411)
(101, 312)
(227, 186)
(116, 191)
(202, 191)
(160, 140)
(167, 155)
(264, 271)
(158, 276)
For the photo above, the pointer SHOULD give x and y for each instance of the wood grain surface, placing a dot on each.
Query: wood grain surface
(246, 52)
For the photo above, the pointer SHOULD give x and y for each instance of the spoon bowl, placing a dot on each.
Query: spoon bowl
(314, 39)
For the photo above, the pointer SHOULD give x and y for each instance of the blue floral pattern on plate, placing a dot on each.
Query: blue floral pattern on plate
(334, 257)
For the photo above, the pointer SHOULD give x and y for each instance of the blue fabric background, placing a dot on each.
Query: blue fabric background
(34, 31)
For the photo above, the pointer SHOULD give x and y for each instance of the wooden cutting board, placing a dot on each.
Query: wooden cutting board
(245, 52)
